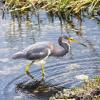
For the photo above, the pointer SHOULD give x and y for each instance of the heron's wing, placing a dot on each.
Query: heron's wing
(38, 45)
(37, 53)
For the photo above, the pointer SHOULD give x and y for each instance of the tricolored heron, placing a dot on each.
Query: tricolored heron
(39, 52)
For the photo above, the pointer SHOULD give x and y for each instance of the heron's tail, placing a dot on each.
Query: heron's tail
(18, 55)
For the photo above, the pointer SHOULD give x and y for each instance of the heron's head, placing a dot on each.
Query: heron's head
(72, 40)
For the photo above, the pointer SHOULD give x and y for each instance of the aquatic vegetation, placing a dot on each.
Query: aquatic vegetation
(61, 8)
(90, 90)
(36, 87)
(17, 5)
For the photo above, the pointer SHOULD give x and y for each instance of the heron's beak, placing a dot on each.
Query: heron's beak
(75, 41)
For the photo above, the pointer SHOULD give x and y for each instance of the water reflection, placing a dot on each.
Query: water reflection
(20, 32)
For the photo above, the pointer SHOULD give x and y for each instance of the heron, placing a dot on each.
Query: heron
(40, 51)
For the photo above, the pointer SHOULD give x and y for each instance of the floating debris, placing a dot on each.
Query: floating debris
(82, 77)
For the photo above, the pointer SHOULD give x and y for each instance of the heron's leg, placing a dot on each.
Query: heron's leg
(27, 70)
(43, 71)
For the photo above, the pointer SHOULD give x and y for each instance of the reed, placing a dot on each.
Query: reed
(66, 7)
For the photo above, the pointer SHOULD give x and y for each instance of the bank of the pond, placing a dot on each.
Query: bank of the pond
(64, 8)
(89, 91)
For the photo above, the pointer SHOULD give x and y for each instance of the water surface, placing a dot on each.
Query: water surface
(17, 34)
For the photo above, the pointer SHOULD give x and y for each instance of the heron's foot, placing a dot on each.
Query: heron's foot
(42, 81)
(28, 73)
(43, 78)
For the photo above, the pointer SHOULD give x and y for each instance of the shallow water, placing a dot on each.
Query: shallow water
(16, 35)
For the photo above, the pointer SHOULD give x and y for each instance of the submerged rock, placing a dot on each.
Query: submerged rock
(35, 87)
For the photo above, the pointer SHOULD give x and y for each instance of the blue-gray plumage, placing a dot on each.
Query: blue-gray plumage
(42, 49)
(39, 52)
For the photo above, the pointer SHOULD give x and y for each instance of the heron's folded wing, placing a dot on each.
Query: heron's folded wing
(37, 54)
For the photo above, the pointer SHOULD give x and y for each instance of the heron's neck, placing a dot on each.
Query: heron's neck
(65, 47)
(64, 44)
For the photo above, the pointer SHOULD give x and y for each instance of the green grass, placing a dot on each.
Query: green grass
(59, 7)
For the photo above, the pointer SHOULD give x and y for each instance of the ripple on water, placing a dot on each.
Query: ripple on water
(4, 60)
(60, 72)
(9, 71)
(64, 73)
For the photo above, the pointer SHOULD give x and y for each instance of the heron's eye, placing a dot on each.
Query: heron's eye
(71, 39)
